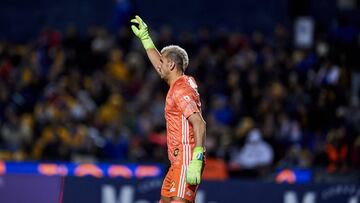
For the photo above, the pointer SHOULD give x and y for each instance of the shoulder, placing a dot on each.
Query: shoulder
(186, 82)
(185, 86)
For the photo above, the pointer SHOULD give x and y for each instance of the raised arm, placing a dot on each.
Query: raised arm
(142, 32)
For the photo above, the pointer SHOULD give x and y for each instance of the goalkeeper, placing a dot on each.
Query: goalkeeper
(185, 125)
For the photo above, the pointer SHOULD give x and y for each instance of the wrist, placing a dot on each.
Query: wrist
(198, 154)
(148, 43)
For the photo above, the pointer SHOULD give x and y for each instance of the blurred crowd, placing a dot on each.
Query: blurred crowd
(268, 104)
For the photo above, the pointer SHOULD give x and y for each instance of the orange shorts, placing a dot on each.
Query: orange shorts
(175, 185)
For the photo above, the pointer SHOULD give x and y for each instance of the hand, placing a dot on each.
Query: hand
(141, 31)
(193, 173)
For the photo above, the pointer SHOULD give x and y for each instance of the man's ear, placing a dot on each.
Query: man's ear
(172, 65)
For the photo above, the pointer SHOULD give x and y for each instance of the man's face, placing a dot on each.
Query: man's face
(165, 67)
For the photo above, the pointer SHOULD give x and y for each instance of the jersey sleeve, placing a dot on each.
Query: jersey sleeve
(187, 100)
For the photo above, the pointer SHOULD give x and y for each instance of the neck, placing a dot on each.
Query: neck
(173, 77)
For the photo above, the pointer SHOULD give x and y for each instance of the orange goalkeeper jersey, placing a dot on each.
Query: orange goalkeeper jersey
(182, 101)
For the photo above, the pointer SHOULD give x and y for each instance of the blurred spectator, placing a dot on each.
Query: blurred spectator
(254, 155)
(221, 112)
(337, 150)
(12, 135)
(295, 157)
(116, 67)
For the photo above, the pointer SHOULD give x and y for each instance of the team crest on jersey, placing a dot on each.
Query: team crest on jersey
(176, 152)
